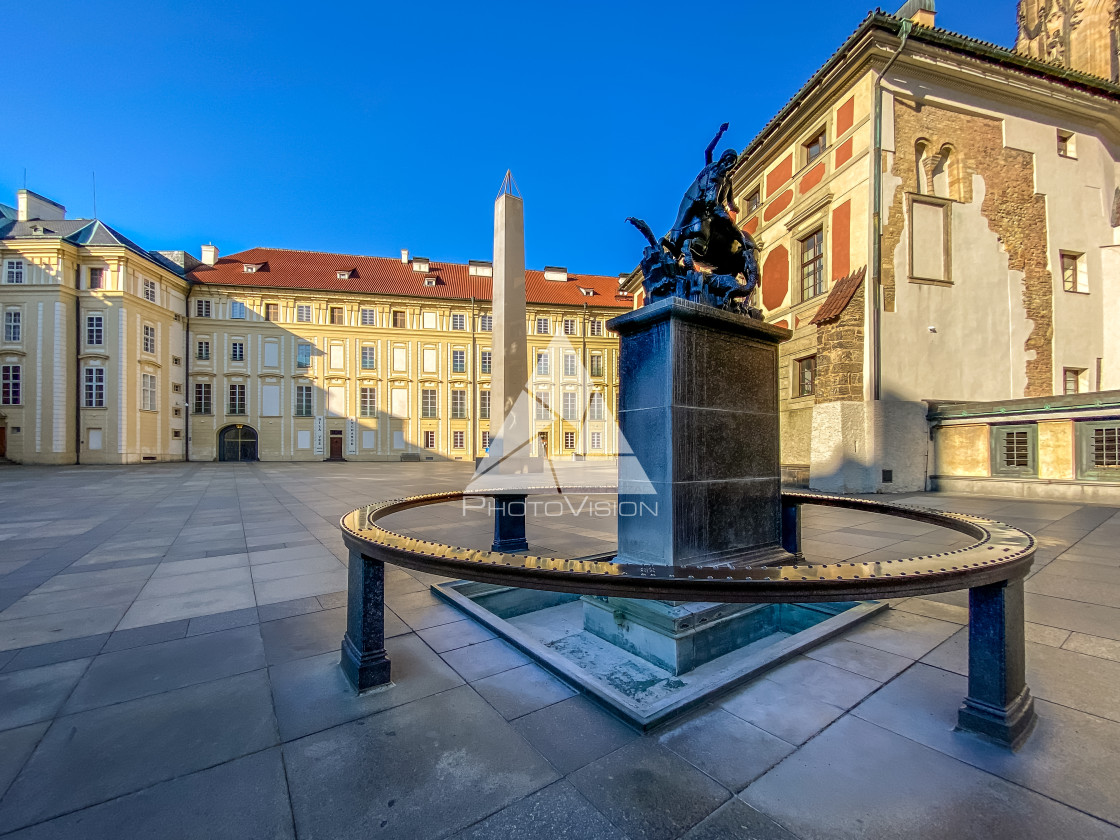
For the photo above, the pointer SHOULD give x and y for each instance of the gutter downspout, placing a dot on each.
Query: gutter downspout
(583, 395)
(877, 221)
(474, 386)
(188, 397)
(78, 369)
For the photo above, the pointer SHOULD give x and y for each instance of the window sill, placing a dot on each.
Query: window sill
(1076, 292)
(927, 281)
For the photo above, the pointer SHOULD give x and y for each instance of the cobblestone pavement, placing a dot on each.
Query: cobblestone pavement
(168, 669)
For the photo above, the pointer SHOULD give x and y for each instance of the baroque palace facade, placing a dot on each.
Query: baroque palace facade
(114, 354)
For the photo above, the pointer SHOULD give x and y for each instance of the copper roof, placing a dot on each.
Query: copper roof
(313, 270)
(839, 298)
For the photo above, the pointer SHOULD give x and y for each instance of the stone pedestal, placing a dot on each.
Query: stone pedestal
(699, 411)
(701, 482)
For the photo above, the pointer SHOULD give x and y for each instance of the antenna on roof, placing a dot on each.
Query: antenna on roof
(93, 175)
(509, 186)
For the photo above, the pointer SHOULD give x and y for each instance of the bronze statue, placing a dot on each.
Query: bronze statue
(704, 257)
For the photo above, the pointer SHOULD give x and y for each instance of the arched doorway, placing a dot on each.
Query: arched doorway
(237, 443)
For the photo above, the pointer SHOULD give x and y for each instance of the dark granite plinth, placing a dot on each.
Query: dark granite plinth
(699, 410)
(364, 660)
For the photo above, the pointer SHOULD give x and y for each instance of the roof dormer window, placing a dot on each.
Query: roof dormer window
(346, 274)
(586, 292)
(430, 281)
(557, 273)
(421, 264)
(250, 268)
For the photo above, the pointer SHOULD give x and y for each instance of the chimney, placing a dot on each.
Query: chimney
(209, 254)
(555, 272)
(31, 206)
(921, 12)
(404, 256)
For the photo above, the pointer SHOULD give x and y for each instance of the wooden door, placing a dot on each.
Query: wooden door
(336, 448)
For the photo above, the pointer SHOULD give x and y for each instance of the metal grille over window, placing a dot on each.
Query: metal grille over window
(1016, 449)
(1106, 448)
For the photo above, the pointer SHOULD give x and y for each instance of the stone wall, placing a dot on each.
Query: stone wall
(1014, 212)
(840, 354)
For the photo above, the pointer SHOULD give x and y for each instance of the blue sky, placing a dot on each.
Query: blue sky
(370, 127)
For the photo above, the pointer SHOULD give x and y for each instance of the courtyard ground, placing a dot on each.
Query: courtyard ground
(169, 641)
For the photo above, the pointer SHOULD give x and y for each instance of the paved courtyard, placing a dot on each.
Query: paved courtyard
(168, 669)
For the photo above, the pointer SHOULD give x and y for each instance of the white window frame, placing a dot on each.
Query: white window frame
(150, 290)
(202, 308)
(13, 272)
(368, 317)
(95, 328)
(13, 325)
(237, 311)
(11, 385)
(458, 321)
(93, 391)
(367, 401)
(148, 339)
(237, 351)
(542, 327)
(303, 313)
(147, 392)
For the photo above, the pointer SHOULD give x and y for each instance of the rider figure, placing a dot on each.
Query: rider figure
(709, 196)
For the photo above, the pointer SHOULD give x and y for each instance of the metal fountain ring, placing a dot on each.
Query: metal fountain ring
(1000, 553)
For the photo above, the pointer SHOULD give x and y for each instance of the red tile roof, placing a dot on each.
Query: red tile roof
(311, 270)
(839, 298)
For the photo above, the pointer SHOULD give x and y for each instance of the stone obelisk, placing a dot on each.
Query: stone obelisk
(510, 423)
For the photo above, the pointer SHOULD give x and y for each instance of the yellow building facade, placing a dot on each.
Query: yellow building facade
(357, 358)
(92, 350)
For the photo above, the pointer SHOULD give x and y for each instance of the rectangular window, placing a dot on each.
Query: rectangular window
(13, 326)
(177, 361)
(369, 318)
(568, 409)
(569, 326)
(95, 329)
(429, 440)
(569, 440)
(458, 361)
(303, 355)
(1074, 276)
(595, 327)
(177, 387)
(596, 440)
(10, 384)
(237, 310)
(429, 405)
(484, 405)
(272, 312)
(1098, 450)
(149, 339)
(812, 265)
(485, 361)
(202, 404)
(94, 391)
(458, 405)
(753, 201)
(203, 350)
(597, 407)
(597, 364)
(570, 364)
(14, 272)
(236, 399)
(542, 326)
(150, 290)
(1072, 377)
(303, 313)
(338, 316)
(237, 351)
(1014, 450)
(542, 363)
(400, 319)
(544, 405)
(806, 373)
(458, 321)
(814, 148)
(304, 406)
(485, 440)
(486, 323)
(147, 392)
(458, 440)
(201, 307)
(368, 402)
(369, 358)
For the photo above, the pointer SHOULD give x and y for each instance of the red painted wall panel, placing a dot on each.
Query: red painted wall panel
(779, 176)
(752, 225)
(844, 152)
(778, 205)
(811, 178)
(841, 233)
(775, 278)
(845, 116)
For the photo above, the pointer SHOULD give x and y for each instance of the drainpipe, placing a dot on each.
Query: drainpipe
(877, 220)
(584, 407)
(473, 379)
(188, 394)
(78, 370)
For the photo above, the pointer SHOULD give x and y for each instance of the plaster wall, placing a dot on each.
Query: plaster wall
(962, 451)
(1056, 454)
